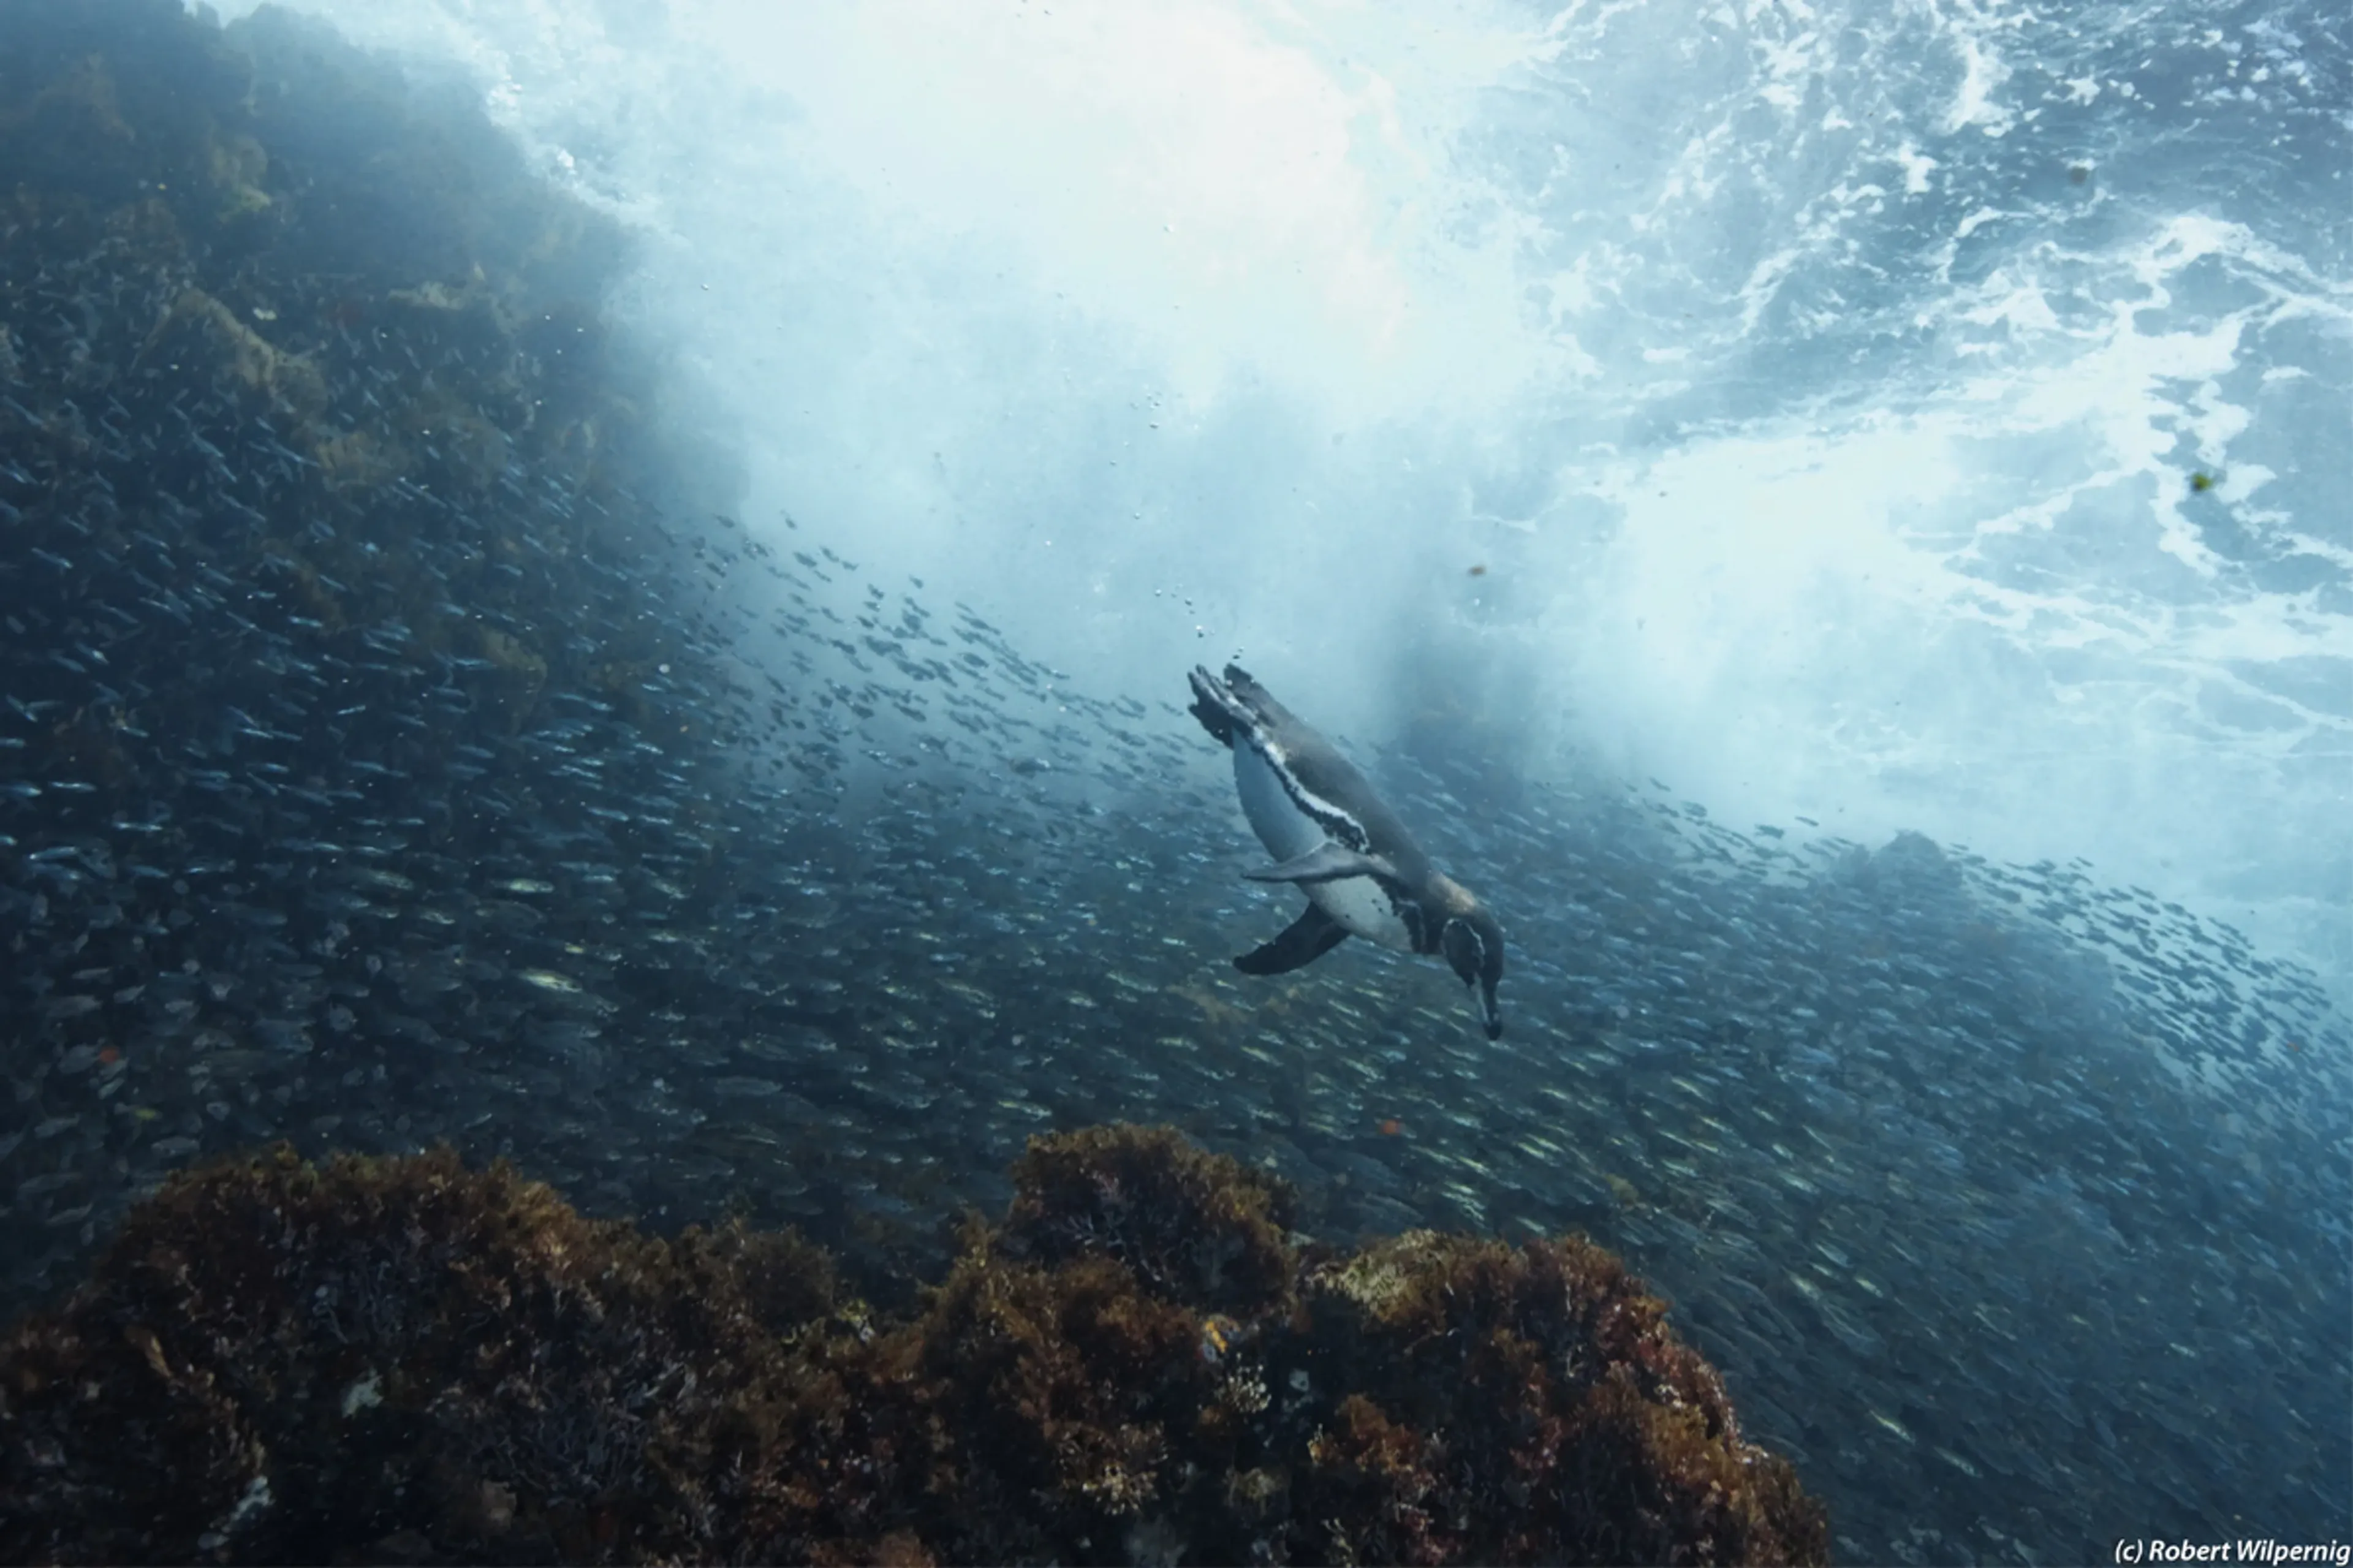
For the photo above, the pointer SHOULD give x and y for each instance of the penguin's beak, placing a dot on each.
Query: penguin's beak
(1477, 956)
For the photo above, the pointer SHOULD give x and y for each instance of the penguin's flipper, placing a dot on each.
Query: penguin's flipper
(1328, 862)
(1303, 941)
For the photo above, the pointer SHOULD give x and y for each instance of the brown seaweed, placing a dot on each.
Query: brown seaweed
(399, 1359)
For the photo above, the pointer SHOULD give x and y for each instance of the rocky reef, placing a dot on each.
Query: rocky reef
(334, 519)
(397, 1359)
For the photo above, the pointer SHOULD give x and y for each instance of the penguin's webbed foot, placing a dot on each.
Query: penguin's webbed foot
(1213, 706)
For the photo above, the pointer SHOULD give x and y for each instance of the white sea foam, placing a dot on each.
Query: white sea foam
(1829, 438)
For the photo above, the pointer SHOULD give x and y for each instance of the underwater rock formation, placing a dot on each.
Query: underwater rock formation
(397, 1359)
(327, 537)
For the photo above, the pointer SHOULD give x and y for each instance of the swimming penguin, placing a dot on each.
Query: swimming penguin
(1333, 838)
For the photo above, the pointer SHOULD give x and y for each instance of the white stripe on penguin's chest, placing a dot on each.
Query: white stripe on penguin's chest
(1359, 903)
(1286, 832)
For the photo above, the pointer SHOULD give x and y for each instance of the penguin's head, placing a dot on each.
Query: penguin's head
(1473, 945)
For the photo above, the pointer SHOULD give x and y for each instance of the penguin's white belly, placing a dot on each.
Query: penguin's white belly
(1360, 904)
(1285, 830)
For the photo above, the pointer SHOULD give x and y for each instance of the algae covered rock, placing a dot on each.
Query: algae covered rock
(282, 1361)
(400, 1358)
(1198, 1228)
(1527, 1404)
